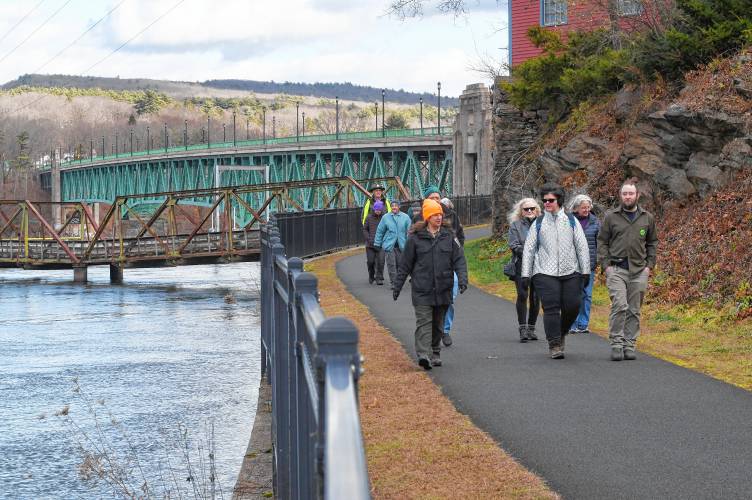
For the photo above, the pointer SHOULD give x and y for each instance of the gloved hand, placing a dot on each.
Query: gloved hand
(586, 280)
(395, 294)
(463, 288)
(378, 249)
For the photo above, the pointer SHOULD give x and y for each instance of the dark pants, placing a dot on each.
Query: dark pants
(375, 261)
(560, 296)
(526, 314)
(429, 328)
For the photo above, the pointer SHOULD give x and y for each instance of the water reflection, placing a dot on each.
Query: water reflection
(170, 346)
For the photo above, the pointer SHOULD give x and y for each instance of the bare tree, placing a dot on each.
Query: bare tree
(403, 9)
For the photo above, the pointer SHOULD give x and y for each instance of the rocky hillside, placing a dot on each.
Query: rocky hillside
(692, 154)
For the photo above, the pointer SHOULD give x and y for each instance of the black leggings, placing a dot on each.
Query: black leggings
(526, 315)
(561, 296)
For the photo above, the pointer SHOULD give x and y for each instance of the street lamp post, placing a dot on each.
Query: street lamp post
(91, 150)
(208, 131)
(224, 133)
(376, 115)
(103, 150)
(131, 142)
(336, 115)
(297, 121)
(116, 145)
(234, 133)
(383, 121)
(421, 116)
(439, 109)
(166, 138)
(303, 123)
(185, 135)
(263, 121)
(274, 127)
(247, 129)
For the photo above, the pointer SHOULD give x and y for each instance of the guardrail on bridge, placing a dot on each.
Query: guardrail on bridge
(313, 365)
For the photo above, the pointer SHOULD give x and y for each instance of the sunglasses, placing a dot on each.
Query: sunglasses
(549, 200)
(528, 209)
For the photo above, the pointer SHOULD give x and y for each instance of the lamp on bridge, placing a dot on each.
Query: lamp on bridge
(148, 142)
(376, 114)
(274, 127)
(336, 117)
(131, 142)
(185, 135)
(297, 121)
(303, 123)
(383, 121)
(247, 128)
(263, 110)
(208, 131)
(234, 137)
(116, 145)
(166, 138)
(224, 133)
(439, 109)
(421, 116)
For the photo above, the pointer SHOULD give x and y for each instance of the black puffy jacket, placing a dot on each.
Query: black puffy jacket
(432, 263)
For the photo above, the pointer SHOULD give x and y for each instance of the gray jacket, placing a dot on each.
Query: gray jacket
(563, 250)
(517, 235)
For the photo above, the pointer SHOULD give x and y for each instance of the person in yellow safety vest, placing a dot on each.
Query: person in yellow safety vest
(377, 194)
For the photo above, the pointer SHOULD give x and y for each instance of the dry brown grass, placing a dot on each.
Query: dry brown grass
(417, 444)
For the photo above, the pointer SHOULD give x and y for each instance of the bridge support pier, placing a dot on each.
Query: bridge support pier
(116, 274)
(81, 274)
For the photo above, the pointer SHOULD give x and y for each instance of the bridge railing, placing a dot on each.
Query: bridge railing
(269, 141)
(313, 365)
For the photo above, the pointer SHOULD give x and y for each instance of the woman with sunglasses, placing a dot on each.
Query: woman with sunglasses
(557, 257)
(520, 218)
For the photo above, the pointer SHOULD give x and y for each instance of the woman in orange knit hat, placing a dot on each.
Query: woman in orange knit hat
(432, 255)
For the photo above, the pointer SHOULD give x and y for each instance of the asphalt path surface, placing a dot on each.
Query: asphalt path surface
(591, 427)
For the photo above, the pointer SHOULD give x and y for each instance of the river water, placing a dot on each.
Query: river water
(145, 378)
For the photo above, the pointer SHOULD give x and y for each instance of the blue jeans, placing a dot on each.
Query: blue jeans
(449, 317)
(583, 318)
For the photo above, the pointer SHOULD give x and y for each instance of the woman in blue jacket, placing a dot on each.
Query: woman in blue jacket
(581, 207)
(391, 235)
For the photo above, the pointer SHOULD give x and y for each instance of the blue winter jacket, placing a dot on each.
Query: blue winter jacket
(591, 233)
(392, 229)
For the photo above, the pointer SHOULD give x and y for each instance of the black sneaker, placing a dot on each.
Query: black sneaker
(424, 363)
(446, 339)
(629, 355)
(617, 353)
(435, 359)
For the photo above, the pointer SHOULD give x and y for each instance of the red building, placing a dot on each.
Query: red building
(558, 15)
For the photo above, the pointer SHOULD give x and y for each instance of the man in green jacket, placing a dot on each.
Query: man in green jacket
(627, 245)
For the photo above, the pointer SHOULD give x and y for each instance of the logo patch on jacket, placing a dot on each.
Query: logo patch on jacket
(643, 232)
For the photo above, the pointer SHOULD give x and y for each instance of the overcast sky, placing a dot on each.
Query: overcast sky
(281, 40)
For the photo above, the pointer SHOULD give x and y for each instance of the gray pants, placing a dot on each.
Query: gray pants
(429, 328)
(626, 290)
(392, 262)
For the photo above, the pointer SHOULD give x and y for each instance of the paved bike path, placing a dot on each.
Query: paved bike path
(592, 428)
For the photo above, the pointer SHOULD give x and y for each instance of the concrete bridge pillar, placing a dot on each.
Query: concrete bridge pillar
(81, 274)
(473, 143)
(116, 274)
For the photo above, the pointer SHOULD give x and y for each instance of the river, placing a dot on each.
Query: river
(139, 381)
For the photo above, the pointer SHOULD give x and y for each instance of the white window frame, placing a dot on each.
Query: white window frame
(629, 7)
(553, 12)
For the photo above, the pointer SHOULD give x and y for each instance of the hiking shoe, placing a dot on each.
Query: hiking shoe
(523, 334)
(573, 331)
(370, 281)
(556, 353)
(435, 359)
(424, 363)
(379, 282)
(617, 353)
(446, 339)
(629, 355)
(531, 332)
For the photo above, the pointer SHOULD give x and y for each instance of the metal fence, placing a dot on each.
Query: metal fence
(473, 209)
(305, 234)
(313, 365)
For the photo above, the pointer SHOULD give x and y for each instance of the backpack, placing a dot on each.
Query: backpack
(539, 221)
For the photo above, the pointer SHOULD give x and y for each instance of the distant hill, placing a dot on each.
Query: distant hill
(177, 89)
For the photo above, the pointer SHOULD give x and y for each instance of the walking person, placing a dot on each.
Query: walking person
(432, 254)
(391, 237)
(627, 246)
(581, 207)
(521, 218)
(451, 217)
(374, 254)
(377, 194)
(557, 258)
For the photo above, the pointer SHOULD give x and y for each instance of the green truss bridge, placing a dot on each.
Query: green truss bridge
(418, 157)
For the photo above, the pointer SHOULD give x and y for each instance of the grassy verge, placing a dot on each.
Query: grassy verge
(697, 337)
(417, 444)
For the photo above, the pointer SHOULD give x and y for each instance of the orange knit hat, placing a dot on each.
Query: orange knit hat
(431, 207)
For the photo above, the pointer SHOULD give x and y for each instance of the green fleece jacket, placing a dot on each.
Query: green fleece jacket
(621, 238)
